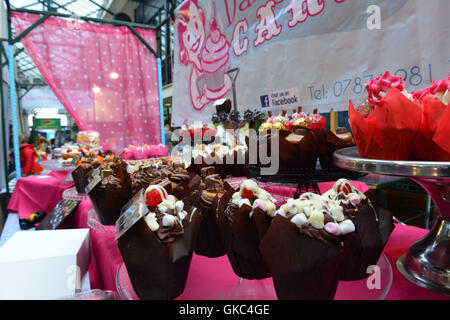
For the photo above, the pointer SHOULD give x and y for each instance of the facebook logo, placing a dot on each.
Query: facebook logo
(265, 101)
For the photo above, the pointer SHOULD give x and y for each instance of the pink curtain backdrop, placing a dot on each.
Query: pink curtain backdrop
(104, 76)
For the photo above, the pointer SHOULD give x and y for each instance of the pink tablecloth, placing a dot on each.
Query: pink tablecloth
(38, 192)
(208, 278)
(211, 279)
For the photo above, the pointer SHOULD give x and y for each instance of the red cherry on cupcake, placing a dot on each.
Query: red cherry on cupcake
(345, 188)
(247, 194)
(152, 198)
(69, 150)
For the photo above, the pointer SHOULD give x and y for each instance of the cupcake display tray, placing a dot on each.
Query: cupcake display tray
(375, 287)
(427, 262)
(72, 194)
(56, 165)
(94, 223)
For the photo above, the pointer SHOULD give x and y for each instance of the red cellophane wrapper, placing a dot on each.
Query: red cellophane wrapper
(433, 141)
(388, 133)
(442, 137)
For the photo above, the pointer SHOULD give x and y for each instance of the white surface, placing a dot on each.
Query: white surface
(10, 228)
(44, 264)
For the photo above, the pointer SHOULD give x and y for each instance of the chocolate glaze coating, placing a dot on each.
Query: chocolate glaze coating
(108, 198)
(82, 173)
(302, 267)
(158, 271)
(209, 242)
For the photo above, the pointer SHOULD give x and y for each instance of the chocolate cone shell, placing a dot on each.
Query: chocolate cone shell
(302, 268)
(108, 201)
(363, 247)
(241, 240)
(158, 271)
(209, 242)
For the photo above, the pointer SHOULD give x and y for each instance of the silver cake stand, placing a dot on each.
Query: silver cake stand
(427, 262)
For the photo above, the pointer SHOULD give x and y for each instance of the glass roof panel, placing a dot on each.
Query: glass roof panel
(26, 70)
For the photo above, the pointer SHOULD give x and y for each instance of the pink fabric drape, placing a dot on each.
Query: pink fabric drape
(104, 76)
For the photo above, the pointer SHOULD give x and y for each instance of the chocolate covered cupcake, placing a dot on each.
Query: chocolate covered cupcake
(297, 147)
(83, 171)
(209, 242)
(144, 176)
(156, 244)
(110, 189)
(373, 226)
(301, 248)
(327, 143)
(150, 173)
(312, 242)
(109, 196)
(243, 218)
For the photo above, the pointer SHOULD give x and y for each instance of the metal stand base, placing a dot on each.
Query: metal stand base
(427, 262)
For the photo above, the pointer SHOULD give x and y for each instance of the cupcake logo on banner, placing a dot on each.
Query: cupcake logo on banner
(320, 51)
(209, 55)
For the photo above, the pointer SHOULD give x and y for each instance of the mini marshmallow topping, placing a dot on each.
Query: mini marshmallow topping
(157, 196)
(250, 189)
(310, 209)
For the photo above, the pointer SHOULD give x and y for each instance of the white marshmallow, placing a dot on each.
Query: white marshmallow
(299, 219)
(150, 220)
(347, 227)
(316, 219)
(179, 205)
(168, 220)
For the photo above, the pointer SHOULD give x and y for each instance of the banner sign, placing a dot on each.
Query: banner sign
(317, 54)
(39, 123)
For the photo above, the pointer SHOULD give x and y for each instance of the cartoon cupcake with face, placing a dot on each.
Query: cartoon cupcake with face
(208, 55)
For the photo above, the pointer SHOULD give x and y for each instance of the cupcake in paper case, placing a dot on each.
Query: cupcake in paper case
(387, 125)
(144, 176)
(301, 248)
(118, 167)
(156, 235)
(109, 194)
(432, 142)
(209, 242)
(280, 122)
(155, 173)
(312, 242)
(296, 150)
(373, 226)
(214, 57)
(83, 171)
(327, 143)
(243, 218)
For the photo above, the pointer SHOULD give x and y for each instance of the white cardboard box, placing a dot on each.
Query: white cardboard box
(40, 265)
